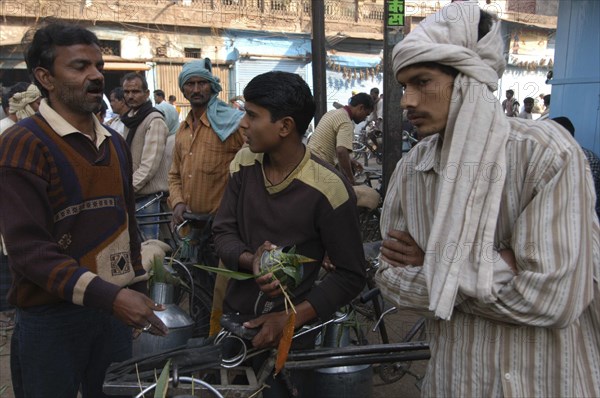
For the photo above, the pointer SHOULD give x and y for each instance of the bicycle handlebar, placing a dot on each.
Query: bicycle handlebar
(196, 217)
(407, 137)
(369, 295)
(191, 217)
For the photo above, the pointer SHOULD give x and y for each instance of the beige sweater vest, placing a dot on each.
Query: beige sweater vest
(158, 177)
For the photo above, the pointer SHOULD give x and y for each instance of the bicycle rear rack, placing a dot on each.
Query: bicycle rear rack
(239, 382)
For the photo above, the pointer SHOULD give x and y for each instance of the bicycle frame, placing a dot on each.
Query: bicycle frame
(366, 144)
(219, 380)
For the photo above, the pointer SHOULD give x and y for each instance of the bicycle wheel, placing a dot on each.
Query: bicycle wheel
(366, 320)
(392, 327)
(201, 309)
(358, 150)
(392, 372)
(368, 221)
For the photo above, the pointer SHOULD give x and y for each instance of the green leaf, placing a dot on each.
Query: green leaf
(303, 259)
(162, 385)
(160, 273)
(294, 273)
(289, 260)
(240, 276)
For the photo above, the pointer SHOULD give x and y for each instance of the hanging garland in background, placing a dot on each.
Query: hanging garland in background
(532, 65)
(349, 74)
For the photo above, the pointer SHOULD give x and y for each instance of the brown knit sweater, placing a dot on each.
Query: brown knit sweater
(67, 216)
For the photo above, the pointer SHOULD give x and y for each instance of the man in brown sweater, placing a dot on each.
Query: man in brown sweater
(280, 194)
(67, 218)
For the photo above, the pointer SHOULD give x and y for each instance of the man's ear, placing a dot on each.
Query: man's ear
(288, 126)
(44, 77)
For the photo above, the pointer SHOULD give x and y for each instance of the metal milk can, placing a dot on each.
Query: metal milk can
(180, 324)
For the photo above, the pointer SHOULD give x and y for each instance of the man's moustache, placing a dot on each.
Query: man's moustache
(414, 115)
(95, 87)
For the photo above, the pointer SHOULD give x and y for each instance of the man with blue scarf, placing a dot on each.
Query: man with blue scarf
(205, 144)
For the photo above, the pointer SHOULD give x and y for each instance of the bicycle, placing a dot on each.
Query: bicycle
(369, 213)
(196, 292)
(200, 364)
(162, 218)
(408, 141)
(368, 143)
(391, 360)
(195, 248)
(371, 310)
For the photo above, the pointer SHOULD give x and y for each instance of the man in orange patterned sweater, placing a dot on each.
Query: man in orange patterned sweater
(67, 216)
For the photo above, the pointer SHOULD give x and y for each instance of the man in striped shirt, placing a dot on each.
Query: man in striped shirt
(332, 139)
(205, 144)
(488, 226)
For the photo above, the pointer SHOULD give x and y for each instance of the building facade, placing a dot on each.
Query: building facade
(246, 37)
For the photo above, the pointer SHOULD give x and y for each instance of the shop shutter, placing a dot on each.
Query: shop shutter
(247, 69)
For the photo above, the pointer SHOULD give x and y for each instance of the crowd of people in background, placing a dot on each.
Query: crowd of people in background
(531, 107)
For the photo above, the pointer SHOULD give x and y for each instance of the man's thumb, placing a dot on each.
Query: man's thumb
(253, 323)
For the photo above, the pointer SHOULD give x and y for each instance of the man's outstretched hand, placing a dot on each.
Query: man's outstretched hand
(137, 310)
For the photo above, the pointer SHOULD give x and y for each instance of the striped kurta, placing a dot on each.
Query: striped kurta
(541, 337)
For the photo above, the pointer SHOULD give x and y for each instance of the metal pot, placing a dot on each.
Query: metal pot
(354, 381)
(180, 324)
(342, 381)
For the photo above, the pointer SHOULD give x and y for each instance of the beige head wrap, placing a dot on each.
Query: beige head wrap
(19, 103)
(459, 253)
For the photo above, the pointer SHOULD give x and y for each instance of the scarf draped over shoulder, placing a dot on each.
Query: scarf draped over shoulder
(223, 119)
(458, 251)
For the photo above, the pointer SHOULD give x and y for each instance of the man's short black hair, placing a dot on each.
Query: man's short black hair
(283, 94)
(566, 123)
(8, 93)
(40, 46)
(510, 91)
(102, 108)
(134, 75)
(362, 99)
(528, 100)
(172, 98)
(118, 93)
(547, 99)
(5, 99)
(159, 93)
(375, 90)
(486, 21)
